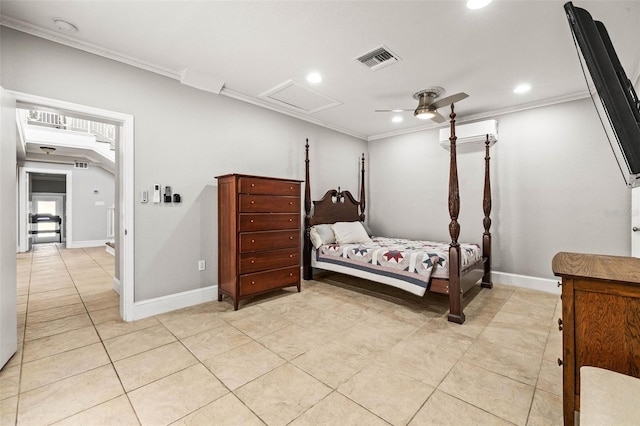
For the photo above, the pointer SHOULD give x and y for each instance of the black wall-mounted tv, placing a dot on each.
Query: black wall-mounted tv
(612, 92)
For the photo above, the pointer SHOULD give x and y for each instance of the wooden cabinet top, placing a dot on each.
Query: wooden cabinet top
(610, 268)
(239, 175)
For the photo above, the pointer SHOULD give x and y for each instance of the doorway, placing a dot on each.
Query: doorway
(124, 200)
(51, 208)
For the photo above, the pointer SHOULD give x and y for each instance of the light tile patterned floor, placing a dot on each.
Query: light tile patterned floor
(336, 353)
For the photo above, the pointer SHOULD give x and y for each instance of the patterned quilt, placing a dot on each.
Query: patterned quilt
(409, 260)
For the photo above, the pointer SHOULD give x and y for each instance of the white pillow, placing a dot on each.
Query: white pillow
(321, 235)
(315, 237)
(350, 233)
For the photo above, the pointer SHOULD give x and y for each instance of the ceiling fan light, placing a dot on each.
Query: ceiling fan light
(424, 114)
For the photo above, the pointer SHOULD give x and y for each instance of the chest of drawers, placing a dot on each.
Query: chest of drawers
(600, 319)
(258, 235)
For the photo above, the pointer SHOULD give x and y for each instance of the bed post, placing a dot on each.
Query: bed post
(455, 292)
(307, 272)
(362, 199)
(486, 206)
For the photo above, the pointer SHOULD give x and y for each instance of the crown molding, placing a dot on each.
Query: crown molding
(56, 37)
(486, 115)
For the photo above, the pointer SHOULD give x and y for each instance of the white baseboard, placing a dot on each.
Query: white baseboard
(85, 244)
(110, 250)
(525, 281)
(116, 285)
(160, 305)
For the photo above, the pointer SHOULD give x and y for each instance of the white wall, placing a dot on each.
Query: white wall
(183, 138)
(556, 187)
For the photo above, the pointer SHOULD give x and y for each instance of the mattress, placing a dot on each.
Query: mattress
(402, 263)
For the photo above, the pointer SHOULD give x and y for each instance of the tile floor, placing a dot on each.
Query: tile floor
(336, 353)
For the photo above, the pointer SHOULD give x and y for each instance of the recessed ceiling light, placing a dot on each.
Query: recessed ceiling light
(314, 78)
(522, 88)
(397, 119)
(477, 4)
(66, 26)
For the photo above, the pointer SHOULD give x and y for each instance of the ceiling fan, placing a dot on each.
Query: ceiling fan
(427, 104)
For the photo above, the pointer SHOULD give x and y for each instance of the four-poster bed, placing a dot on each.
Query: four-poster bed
(415, 266)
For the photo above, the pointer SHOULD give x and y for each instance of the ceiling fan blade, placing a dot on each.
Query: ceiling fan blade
(438, 118)
(450, 100)
(393, 110)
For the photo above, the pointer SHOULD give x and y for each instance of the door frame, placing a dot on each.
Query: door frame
(125, 187)
(23, 204)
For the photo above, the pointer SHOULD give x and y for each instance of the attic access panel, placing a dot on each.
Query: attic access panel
(295, 96)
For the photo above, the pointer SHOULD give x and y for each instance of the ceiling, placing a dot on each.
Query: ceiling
(250, 48)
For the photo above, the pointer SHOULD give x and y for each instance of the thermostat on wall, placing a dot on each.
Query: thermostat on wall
(156, 193)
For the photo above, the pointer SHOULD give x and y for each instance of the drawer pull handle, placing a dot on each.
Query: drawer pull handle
(290, 256)
(253, 261)
(251, 221)
(290, 203)
(560, 362)
(291, 238)
(253, 202)
(290, 275)
(253, 241)
(253, 282)
(290, 220)
(253, 184)
(560, 324)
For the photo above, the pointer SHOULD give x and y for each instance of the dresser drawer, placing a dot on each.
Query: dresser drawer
(253, 241)
(263, 260)
(268, 221)
(269, 204)
(250, 185)
(263, 281)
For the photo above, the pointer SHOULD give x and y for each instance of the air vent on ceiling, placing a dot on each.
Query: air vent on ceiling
(378, 58)
(81, 165)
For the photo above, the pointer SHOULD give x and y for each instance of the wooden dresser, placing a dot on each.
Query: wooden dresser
(600, 318)
(258, 235)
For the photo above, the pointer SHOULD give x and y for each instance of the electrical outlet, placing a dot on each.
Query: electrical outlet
(201, 265)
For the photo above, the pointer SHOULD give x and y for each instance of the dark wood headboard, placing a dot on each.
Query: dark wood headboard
(335, 206)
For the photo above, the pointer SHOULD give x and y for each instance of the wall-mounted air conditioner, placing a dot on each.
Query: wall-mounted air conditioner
(472, 135)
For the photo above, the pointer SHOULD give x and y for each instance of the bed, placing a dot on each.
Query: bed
(335, 239)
